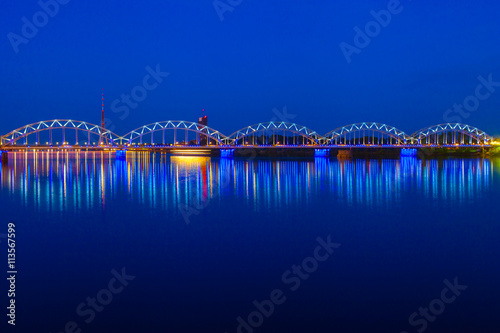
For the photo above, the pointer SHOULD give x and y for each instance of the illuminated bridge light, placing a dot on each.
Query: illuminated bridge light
(408, 152)
(226, 153)
(191, 152)
(121, 154)
(267, 134)
(321, 152)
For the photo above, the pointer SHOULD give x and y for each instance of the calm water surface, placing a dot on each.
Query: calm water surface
(205, 238)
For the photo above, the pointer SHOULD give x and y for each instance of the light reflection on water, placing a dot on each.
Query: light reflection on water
(92, 180)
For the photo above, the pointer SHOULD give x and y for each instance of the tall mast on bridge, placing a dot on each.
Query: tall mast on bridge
(103, 129)
(102, 112)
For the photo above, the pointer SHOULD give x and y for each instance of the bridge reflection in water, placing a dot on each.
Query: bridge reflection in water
(71, 181)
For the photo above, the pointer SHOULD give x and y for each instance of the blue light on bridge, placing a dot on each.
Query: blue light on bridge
(321, 152)
(226, 153)
(408, 152)
(121, 154)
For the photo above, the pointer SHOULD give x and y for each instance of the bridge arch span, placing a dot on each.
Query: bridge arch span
(92, 131)
(275, 133)
(368, 133)
(138, 136)
(451, 134)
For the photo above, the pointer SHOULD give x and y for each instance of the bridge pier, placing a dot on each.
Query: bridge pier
(345, 154)
(321, 152)
(227, 153)
(408, 152)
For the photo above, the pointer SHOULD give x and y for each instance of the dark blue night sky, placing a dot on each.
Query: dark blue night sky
(261, 56)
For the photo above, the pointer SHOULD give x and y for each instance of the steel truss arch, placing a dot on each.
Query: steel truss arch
(310, 135)
(138, 133)
(391, 131)
(472, 132)
(49, 125)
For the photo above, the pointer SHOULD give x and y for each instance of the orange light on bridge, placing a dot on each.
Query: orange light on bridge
(190, 152)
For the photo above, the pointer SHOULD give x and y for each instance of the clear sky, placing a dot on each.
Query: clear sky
(240, 59)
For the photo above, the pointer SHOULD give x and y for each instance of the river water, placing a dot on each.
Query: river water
(159, 243)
